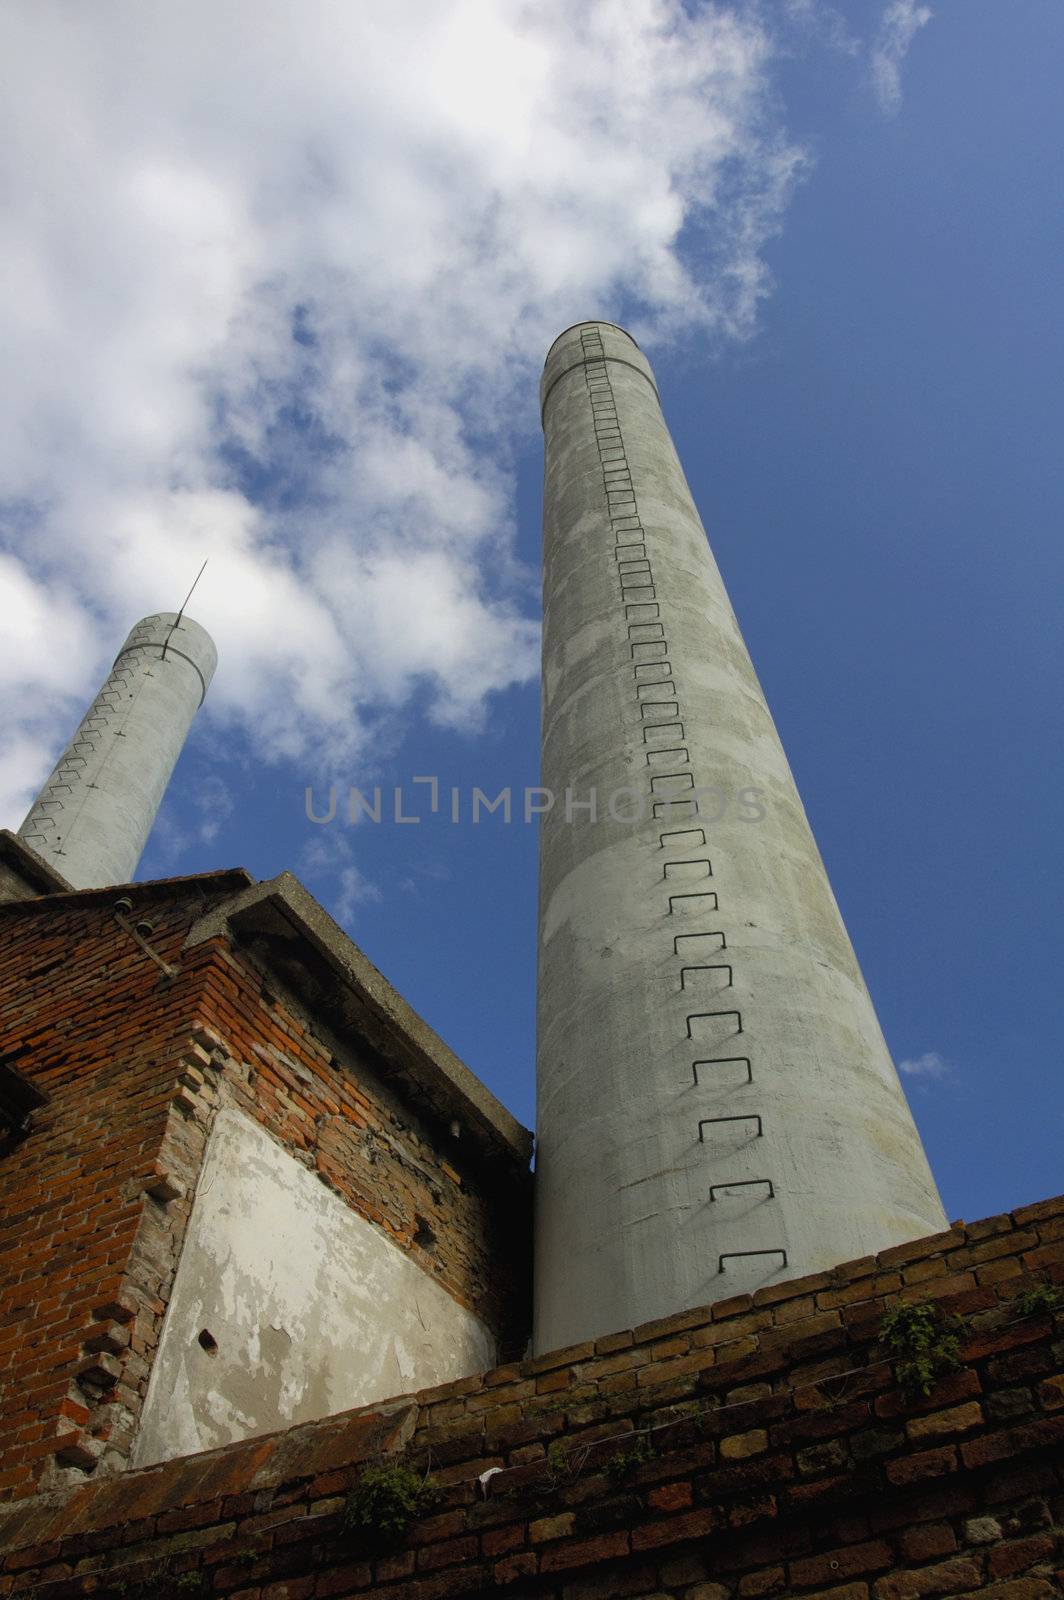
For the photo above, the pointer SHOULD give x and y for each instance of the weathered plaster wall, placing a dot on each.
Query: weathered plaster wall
(288, 1306)
(371, 1131)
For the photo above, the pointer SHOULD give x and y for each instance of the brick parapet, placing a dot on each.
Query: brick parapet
(779, 1457)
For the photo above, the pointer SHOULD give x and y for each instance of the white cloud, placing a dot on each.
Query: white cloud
(815, 19)
(929, 1065)
(207, 806)
(213, 800)
(278, 282)
(327, 862)
(899, 25)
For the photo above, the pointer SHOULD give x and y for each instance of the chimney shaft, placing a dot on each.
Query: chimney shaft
(92, 818)
(717, 1107)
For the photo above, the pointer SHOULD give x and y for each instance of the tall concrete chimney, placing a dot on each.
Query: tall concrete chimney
(717, 1107)
(93, 816)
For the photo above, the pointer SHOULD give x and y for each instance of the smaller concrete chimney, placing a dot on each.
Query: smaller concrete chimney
(91, 820)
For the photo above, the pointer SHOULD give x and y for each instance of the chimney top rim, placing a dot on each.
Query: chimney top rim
(590, 322)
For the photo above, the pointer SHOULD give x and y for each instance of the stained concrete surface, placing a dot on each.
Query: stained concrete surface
(91, 820)
(712, 1078)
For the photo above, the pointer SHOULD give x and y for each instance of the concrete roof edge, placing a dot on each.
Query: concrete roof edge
(32, 867)
(219, 880)
(425, 1055)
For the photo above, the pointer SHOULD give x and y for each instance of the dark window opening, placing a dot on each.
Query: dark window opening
(423, 1234)
(18, 1098)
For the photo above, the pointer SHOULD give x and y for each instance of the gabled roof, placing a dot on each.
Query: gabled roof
(281, 924)
(285, 929)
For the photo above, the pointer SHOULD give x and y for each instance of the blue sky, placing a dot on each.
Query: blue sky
(844, 265)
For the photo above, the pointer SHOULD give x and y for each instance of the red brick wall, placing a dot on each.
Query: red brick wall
(326, 1101)
(104, 1028)
(785, 1462)
(93, 1203)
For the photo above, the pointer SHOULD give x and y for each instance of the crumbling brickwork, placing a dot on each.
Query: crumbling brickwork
(763, 1448)
(136, 1040)
(325, 1101)
(103, 1028)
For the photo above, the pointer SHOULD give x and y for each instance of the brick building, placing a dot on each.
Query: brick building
(265, 1244)
(362, 1224)
(158, 1038)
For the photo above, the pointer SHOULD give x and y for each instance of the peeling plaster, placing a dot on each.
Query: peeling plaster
(312, 1309)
